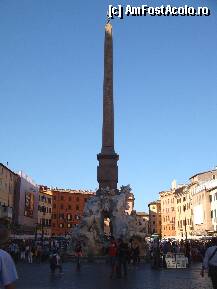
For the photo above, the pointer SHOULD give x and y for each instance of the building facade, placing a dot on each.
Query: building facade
(155, 217)
(45, 202)
(142, 220)
(168, 213)
(8, 188)
(201, 186)
(26, 204)
(183, 209)
(213, 199)
(67, 209)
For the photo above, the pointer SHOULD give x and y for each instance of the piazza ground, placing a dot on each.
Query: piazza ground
(96, 276)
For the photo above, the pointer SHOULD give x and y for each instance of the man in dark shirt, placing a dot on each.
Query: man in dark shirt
(122, 256)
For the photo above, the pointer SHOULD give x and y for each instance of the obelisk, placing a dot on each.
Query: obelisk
(107, 171)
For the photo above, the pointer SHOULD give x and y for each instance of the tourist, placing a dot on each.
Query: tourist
(8, 273)
(135, 252)
(22, 252)
(112, 252)
(156, 254)
(78, 255)
(14, 251)
(122, 256)
(210, 262)
(188, 251)
(55, 262)
(29, 254)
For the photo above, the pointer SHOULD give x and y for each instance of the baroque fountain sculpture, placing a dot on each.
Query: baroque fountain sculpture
(113, 205)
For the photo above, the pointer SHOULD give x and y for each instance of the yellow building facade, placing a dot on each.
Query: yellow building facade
(183, 209)
(155, 217)
(168, 213)
(8, 186)
(45, 203)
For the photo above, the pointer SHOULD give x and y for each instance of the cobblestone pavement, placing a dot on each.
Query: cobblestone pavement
(96, 276)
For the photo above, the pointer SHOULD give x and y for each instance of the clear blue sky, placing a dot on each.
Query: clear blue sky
(165, 88)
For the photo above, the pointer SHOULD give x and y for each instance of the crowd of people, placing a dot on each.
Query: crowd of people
(192, 249)
(121, 253)
(35, 250)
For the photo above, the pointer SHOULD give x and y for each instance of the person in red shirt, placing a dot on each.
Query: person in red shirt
(112, 251)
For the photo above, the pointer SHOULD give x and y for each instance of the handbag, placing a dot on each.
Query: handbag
(210, 258)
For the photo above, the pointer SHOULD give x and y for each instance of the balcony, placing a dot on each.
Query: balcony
(6, 212)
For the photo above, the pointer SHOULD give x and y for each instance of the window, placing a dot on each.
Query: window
(49, 200)
(61, 225)
(77, 199)
(54, 216)
(77, 208)
(211, 214)
(70, 199)
(54, 206)
(49, 210)
(61, 207)
(153, 222)
(69, 207)
(54, 198)
(213, 177)
(62, 198)
(69, 225)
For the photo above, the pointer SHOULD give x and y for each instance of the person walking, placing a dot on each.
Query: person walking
(8, 273)
(29, 255)
(210, 262)
(22, 252)
(55, 262)
(78, 255)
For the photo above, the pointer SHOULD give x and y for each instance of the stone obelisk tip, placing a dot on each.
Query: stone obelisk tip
(108, 28)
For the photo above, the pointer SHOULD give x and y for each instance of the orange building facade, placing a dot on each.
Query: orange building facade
(168, 213)
(67, 210)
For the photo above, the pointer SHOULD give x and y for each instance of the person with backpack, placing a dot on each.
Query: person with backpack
(210, 263)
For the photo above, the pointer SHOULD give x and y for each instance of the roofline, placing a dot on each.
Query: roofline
(212, 189)
(1, 164)
(83, 192)
(154, 202)
(210, 171)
